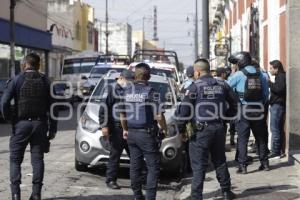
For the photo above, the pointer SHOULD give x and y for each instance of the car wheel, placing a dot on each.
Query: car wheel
(80, 166)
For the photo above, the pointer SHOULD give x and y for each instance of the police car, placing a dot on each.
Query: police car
(92, 149)
(162, 62)
(103, 64)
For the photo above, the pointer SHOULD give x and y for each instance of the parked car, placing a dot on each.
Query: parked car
(103, 64)
(63, 94)
(92, 149)
(95, 75)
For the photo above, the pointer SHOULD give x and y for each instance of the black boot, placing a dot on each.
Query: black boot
(35, 197)
(16, 197)
(264, 166)
(113, 185)
(228, 195)
(242, 169)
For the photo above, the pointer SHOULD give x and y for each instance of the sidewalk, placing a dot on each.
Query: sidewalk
(281, 183)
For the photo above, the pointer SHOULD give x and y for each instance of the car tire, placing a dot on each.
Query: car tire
(80, 166)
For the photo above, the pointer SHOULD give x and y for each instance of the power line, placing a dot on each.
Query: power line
(139, 9)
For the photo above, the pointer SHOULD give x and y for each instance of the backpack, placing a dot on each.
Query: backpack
(253, 86)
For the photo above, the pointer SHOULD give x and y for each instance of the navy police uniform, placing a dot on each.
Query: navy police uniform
(31, 93)
(206, 100)
(112, 99)
(140, 106)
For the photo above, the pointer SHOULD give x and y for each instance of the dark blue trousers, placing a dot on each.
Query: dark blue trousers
(211, 140)
(118, 144)
(260, 132)
(142, 145)
(24, 133)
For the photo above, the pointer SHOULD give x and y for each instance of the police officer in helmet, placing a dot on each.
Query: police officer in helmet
(31, 93)
(109, 120)
(252, 88)
(205, 103)
(140, 123)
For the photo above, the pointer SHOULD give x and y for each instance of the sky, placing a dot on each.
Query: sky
(174, 32)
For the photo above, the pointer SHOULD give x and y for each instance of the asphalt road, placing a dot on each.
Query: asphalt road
(61, 180)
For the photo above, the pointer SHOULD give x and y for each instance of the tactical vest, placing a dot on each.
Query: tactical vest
(210, 100)
(33, 96)
(139, 112)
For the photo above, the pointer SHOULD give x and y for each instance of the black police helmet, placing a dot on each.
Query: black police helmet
(242, 59)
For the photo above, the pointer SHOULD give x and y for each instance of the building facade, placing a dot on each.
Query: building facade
(72, 26)
(119, 39)
(257, 26)
(31, 34)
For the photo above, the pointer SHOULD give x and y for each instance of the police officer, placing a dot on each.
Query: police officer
(252, 87)
(31, 93)
(222, 74)
(142, 113)
(205, 100)
(109, 120)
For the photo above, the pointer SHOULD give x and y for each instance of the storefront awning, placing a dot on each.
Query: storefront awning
(26, 36)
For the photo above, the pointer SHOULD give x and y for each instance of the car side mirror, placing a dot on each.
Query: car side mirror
(84, 78)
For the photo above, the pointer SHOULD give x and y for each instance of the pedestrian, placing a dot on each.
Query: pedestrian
(252, 87)
(222, 74)
(189, 128)
(109, 120)
(31, 93)
(278, 106)
(205, 102)
(190, 79)
(139, 121)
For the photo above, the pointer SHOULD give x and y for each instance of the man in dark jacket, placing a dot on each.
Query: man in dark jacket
(111, 126)
(31, 94)
(278, 104)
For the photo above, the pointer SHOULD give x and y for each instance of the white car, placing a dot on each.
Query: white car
(92, 149)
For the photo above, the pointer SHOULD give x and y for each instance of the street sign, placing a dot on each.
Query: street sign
(221, 49)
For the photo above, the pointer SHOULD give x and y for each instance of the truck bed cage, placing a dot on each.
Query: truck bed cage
(156, 55)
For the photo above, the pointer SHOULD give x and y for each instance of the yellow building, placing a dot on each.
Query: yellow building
(83, 26)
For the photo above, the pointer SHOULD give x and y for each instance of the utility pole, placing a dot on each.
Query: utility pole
(12, 35)
(205, 29)
(196, 32)
(155, 38)
(106, 28)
